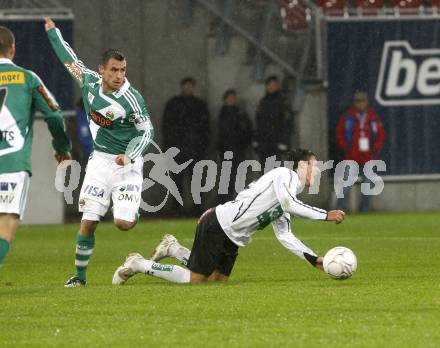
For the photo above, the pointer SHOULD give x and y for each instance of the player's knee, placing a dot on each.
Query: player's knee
(124, 225)
(218, 276)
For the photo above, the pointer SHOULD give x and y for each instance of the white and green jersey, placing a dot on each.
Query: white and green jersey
(119, 121)
(21, 94)
(269, 200)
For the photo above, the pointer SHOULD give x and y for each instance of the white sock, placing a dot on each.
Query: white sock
(172, 273)
(180, 253)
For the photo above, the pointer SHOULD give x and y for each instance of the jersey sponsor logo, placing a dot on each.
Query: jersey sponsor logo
(74, 70)
(6, 198)
(408, 76)
(269, 215)
(110, 115)
(4, 186)
(94, 191)
(49, 100)
(12, 78)
(100, 119)
(130, 197)
(129, 188)
(7, 136)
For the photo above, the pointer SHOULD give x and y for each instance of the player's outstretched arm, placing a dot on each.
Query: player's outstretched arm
(46, 103)
(67, 56)
(285, 236)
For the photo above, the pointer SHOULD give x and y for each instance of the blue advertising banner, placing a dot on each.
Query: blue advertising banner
(397, 62)
(35, 53)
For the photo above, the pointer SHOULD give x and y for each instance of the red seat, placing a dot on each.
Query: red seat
(369, 7)
(332, 7)
(331, 4)
(369, 3)
(293, 14)
(434, 3)
(406, 3)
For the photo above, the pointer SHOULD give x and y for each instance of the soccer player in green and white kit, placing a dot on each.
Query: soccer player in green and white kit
(21, 93)
(121, 129)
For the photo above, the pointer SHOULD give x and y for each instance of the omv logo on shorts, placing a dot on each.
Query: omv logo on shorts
(408, 76)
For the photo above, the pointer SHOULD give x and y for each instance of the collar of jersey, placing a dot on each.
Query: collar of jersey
(117, 93)
(8, 61)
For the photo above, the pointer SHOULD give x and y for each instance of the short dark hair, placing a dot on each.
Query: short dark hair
(188, 79)
(7, 40)
(112, 53)
(271, 78)
(298, 155)
(229, 92)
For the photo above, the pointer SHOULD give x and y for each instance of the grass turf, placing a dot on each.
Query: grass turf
(273, 299)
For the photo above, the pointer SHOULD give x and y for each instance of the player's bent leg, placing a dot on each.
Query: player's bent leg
(135, 264)
(124, 225)
(8, 230)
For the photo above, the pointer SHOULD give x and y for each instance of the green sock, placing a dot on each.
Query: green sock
(84, 249)
(4, 248)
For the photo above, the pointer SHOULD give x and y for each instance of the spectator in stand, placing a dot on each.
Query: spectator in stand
(234, 134)
(360, 135)
(185, 125)
(274, 122)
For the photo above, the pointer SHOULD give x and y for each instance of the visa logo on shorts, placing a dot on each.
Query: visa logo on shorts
(94, 191)
(408, 76)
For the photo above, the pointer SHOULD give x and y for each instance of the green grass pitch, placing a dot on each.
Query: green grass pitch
(273, 299)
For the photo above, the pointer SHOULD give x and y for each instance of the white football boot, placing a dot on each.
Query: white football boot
(162, 249)
(127, 270)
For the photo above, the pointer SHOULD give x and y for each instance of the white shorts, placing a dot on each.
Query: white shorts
(105, 181)
(14, 189)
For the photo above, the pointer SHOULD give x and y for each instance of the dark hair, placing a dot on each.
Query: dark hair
(229, 92)
(271, 78)
(298, 155)
(112, 53)
(7, 39)
(188, 79)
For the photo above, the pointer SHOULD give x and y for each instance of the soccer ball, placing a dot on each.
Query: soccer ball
(340, 263)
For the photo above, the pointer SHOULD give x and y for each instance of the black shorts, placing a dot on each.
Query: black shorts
(212, 248)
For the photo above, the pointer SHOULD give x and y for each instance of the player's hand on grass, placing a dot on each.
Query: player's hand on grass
(49, 23)
(336, 215)
(60, 157)
(122, 160)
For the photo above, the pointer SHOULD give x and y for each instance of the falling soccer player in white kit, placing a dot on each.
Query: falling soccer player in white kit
(222, 230)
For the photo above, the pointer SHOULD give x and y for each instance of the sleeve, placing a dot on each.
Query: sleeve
(285, 185)
(288, 240)
(221, 131)
(287, 124)
(204, 129)
(67, 56)
(166, 125)
(380, 138)
(141, 118)
(44, 101)
(340, 133)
